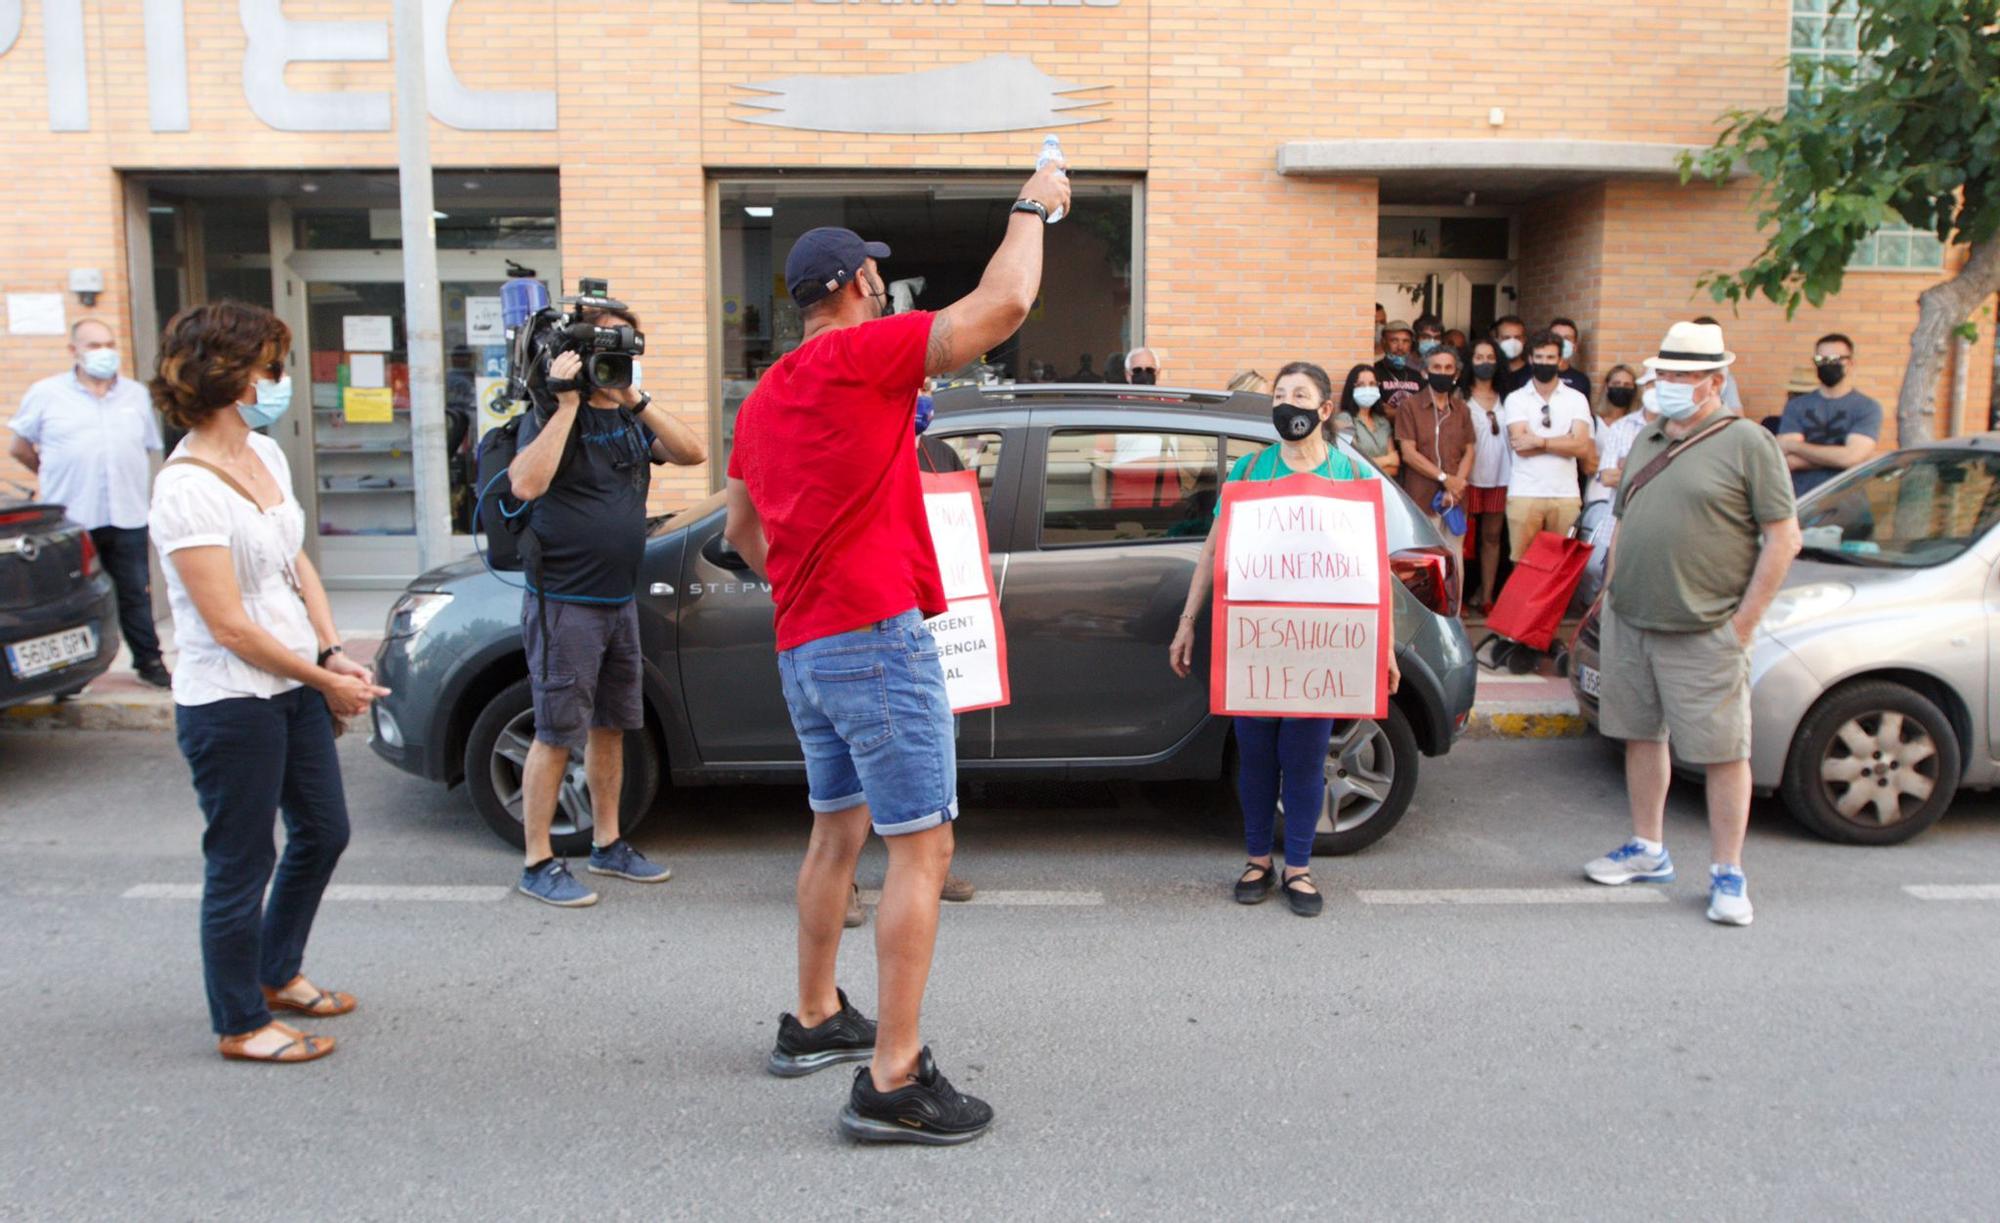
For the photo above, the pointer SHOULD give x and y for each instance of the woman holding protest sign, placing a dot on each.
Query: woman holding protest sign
(1279, 756)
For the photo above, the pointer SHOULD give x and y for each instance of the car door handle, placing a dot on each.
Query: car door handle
(718, 551)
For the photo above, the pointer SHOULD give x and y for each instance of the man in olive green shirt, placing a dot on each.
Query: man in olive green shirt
(1702, 545)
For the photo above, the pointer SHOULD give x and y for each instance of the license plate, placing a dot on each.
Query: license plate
(1587, 679)
(45, 654)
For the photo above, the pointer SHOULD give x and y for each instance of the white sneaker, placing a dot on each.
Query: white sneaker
(1631, 863)
(1728, 899)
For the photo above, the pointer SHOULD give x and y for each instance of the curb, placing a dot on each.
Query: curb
(88, 714)
(1547, 720)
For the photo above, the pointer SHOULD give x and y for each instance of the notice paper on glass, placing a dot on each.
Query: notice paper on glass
(368, 405)
(367, 369)
(483, 324)
(366, 333)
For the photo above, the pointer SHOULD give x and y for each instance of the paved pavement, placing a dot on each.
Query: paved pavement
(1470, 1031)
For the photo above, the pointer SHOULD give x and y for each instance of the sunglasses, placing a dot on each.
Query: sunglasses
(1823, 362)
(1493, 418)
(1548, 416)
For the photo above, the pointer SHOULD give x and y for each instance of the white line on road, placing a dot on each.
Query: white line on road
(1059, 899)
(1954, 891)
(481, 894)
(1510, 896)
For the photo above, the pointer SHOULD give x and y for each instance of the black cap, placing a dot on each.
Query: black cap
(823, 261)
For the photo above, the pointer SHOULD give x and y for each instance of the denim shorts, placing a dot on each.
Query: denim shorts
(871, 713)
(584, 669)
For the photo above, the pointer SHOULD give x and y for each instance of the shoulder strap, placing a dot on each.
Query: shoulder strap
(1661, 460)
(218, 473)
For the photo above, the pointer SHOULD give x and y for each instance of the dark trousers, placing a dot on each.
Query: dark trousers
(123, 552)
(251, 759)
(1285, 755)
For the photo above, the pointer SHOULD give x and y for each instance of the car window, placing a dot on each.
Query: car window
(1911, 510)
(1122, 486)
(978, 453)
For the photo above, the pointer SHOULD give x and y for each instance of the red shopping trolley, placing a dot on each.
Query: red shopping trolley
(1530, 608)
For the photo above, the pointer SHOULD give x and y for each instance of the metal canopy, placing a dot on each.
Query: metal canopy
(1498, 171)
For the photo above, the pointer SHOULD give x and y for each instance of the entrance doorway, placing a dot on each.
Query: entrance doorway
(1456, 263)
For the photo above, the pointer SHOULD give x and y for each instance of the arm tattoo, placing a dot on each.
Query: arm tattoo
(937, 357)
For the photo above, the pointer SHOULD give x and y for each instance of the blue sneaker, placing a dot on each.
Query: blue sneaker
(621, 861)
(1728, 899)
(552, 884)
(1630, 863)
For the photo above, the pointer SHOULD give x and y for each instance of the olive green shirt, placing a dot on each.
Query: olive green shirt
(1689, 541)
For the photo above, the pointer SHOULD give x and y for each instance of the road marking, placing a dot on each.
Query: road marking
(480, 894)
(1510, 896)
(1017, 899)
(1516, 679)
(1954, 891)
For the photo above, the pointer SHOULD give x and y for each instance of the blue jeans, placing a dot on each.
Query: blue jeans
(252, 758)
(1288, 755)
(872, 716)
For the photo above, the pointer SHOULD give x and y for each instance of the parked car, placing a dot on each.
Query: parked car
(1091, 591)
(1873, 677)
(58, 616)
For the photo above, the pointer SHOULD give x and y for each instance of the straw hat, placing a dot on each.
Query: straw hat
(1692, 346)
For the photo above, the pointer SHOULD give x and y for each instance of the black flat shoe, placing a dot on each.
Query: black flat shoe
(1304, 903)
(1254, 888)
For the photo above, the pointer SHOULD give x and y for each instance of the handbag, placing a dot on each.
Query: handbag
(291, 574)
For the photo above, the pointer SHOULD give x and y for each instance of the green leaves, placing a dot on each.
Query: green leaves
(1907, 129)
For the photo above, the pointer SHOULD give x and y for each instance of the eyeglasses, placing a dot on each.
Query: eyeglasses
(1823, 362)
(1548, 416)
(1493, 418)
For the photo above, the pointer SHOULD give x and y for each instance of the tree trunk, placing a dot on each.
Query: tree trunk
(1941, 309)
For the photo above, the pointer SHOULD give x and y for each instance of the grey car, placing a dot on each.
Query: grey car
(1097, 503)
(1875, 676)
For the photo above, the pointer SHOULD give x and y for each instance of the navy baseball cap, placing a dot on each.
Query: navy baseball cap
(823, 261)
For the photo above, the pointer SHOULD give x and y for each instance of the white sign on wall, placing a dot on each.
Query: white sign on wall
(35, 314)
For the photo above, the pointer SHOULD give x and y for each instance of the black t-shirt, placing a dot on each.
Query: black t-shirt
(591, 523)
(1395, 379)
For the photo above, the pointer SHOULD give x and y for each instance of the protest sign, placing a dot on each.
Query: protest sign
(972, 643)
(1302, 605)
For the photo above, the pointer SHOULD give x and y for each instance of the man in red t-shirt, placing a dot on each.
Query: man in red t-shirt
(824, 501)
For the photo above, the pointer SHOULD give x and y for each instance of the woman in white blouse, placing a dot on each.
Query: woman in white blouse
(260, 679)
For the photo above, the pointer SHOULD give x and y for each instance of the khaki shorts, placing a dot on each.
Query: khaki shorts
(1528, 517)
(1691, 689)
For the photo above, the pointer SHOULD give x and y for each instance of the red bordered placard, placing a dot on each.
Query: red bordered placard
(1291, 655)
(970, 635)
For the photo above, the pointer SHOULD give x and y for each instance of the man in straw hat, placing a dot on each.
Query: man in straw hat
(1706, 530)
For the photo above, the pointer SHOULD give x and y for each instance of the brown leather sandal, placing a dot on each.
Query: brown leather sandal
(325, 1003)
(301, 1048)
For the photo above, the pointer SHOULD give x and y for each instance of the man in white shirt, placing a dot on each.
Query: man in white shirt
(1548, 427)
(87, 434)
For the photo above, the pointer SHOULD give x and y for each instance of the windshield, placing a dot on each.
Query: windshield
(1908, 510)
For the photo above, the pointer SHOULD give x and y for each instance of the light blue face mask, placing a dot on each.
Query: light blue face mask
(1569, 349)
(1427, 347)
(273, 398)
(1676, 399)
(100, 362)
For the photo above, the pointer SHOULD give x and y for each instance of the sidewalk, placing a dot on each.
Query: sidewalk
(1507, 706)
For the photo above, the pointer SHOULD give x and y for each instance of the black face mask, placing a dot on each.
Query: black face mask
(1142, 376)
(1830, 375)
(1619, 396)
(1484, 370)
(1544, 373)
(1294, 424)
(1441, 383)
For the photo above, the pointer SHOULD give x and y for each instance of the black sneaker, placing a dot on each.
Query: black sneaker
(929, 1111)
(156, 674)
(846, 1036)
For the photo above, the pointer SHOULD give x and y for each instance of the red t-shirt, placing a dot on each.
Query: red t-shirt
(827, 446)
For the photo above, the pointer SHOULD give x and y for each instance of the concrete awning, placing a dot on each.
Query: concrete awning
(1500, 170)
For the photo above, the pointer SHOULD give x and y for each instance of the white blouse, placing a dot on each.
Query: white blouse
(1492, 458)
(194, 509)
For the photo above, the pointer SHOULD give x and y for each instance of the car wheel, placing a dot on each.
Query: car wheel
(496, 752)
(1371, 772)
(1873, 764)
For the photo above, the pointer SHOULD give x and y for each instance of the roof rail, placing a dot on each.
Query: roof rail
(1119, 390)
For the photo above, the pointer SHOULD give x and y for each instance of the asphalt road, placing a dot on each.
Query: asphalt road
(1153, 1049)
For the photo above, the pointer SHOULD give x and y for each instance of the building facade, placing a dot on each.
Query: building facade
(1252, 177)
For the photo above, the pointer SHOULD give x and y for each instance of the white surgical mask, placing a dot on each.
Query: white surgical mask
(1367, 396)
(100, 362)
(1510, 348)
(1676, 399)
(273, 398)
(1569, 349)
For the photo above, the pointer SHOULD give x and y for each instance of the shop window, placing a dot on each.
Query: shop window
(1127, 487)
(943, 232)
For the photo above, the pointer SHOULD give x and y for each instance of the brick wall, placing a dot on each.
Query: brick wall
(1562, 260)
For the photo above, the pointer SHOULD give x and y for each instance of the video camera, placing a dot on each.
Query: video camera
(538, 331)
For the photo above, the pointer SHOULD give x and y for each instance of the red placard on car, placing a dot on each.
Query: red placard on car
(1302, 605)
(970, 637)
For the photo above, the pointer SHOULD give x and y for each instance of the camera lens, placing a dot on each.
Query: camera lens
(612, 371)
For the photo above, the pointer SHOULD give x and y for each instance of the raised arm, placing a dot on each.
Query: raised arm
(977, 323)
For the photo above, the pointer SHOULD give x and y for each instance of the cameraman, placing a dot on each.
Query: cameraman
(587, 510)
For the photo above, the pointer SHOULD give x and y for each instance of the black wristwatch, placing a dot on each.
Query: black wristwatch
(1034, 206)
(329, 652)
(645, 401)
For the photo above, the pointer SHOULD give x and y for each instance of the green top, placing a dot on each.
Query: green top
(1376, 440)
(1686, 551)
(1269, 464)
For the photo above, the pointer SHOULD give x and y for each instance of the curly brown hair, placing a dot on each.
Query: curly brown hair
(210, 354)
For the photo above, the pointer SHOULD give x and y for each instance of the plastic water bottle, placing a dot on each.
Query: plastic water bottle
(1052, 152)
